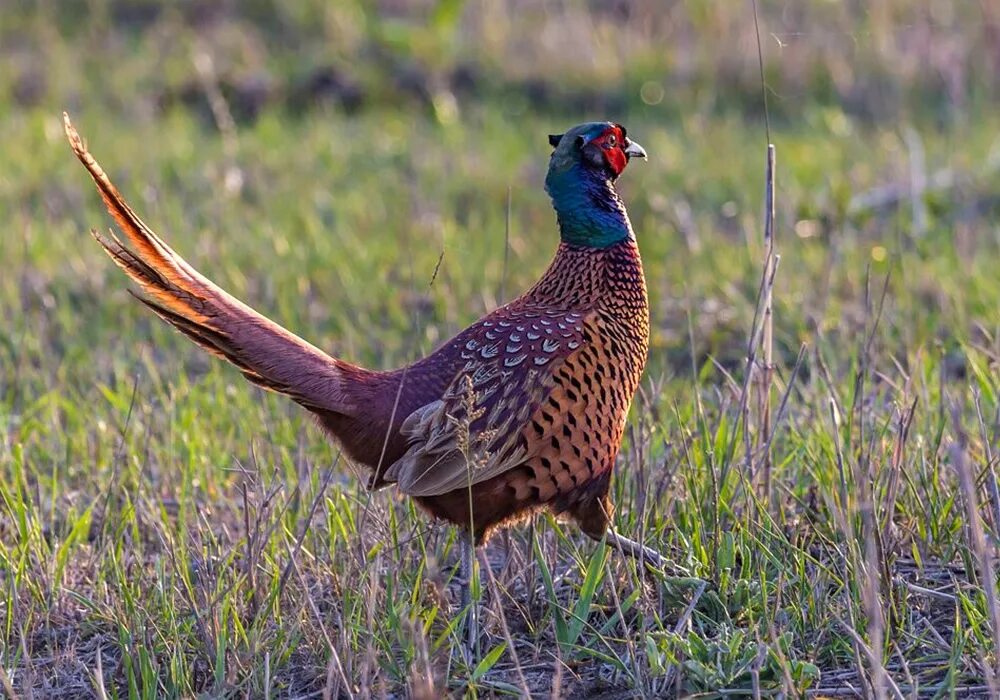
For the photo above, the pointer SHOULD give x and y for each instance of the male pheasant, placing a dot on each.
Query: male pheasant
(523, 410)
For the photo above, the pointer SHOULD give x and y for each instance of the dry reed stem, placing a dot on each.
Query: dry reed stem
(767, 341)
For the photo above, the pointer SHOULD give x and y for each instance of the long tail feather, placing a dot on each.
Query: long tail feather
(264, 352)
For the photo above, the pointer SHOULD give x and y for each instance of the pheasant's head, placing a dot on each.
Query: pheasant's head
(602, 147)
(586, 162)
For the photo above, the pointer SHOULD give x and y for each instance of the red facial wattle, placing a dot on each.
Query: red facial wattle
(612, 145)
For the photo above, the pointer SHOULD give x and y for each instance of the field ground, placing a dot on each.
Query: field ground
(167, 530)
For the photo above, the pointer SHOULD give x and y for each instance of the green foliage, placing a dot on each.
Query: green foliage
(570, 624)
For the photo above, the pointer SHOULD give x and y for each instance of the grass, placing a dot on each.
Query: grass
(167, 530)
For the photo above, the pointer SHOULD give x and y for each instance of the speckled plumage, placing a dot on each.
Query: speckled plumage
(526, 407)
(540, 391)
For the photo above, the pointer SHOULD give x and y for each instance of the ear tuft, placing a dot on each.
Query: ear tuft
(554, 140)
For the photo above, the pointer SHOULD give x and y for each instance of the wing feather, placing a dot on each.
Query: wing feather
(476, 430)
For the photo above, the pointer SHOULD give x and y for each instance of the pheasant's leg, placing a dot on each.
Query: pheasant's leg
(635, 550)
(594, 518)
(468, 574)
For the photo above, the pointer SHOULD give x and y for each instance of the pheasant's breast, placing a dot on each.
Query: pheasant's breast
(577, 431)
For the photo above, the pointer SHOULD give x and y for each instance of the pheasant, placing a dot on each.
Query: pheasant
(522, 411)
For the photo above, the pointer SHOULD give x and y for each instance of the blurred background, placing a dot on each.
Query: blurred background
(331, 130)
(884, 60)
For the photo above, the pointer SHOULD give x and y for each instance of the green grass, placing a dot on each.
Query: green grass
(168, 530)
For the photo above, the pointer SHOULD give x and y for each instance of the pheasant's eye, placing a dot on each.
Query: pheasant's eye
(612, 141)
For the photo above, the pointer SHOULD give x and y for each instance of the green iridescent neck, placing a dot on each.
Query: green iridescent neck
(587, 207)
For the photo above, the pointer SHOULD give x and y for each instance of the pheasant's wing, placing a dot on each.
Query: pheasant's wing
(479, 428)
(266, 353)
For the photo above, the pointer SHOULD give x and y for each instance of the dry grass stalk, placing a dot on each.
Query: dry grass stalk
(991, 462)
(982, 552)
(208, 79)
(767, 340)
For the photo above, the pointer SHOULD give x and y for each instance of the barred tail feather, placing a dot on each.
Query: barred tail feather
(264, 352)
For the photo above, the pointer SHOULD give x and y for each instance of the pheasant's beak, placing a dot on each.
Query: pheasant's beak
(634, 150)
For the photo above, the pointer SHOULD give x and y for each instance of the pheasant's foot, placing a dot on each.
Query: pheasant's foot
(635, 550)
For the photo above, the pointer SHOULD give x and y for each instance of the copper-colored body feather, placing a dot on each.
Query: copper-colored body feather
(526, 407)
